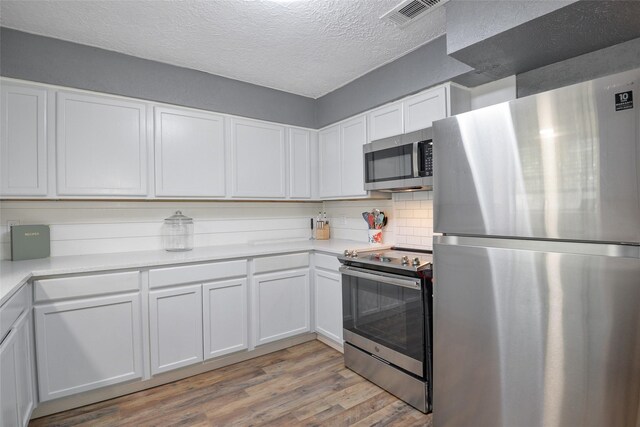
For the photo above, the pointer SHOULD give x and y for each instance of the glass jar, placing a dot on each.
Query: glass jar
(178, 233)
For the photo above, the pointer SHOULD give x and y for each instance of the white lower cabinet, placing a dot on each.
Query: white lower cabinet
(87, 344)
(328, 304)
(281, 305)
(202, 315)
(8, 381)
(175, 321)
(225, 317)
(16, 375)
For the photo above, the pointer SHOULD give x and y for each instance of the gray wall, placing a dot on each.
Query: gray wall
(478, 32)
(614, 59)
(47, 60)
(426, 66)
(42, 59)
(472, 21)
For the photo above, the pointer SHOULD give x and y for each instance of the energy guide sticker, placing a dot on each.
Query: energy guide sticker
(624, 100)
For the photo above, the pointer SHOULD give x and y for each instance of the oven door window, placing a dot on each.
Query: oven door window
(389, 164)
(387, 314)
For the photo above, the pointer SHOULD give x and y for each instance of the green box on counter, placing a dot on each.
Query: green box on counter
(30, 242)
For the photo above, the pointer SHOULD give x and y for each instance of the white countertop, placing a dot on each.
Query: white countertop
(15, 273)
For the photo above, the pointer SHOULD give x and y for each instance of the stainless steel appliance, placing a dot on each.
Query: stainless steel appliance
(399, 163)
(386, 307)
(537, 278)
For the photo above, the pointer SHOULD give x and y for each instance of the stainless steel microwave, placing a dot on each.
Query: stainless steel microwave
(400, 163)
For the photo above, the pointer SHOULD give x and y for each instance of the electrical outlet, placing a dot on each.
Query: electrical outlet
(343, 220)
(12, 222)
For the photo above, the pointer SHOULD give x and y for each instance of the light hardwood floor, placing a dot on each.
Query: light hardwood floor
(302, 385)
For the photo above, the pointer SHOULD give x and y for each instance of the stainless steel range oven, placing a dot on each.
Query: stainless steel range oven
(386, 306)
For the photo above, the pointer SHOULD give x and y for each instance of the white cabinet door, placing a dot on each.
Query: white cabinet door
(281, 305)
(328, 307)
(330, 168)
(24, 370)
(299, 164)
(87, 344)
(422, 110)
(189, 153)
(9, 414)
(23, 144)
(258, 159)
(225, 317)
(175, 321)
(385, 121)
(353, 134)
(101, 146)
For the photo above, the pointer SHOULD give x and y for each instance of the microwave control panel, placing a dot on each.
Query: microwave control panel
(427, 158)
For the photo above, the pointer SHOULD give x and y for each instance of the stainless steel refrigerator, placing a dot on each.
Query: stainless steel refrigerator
(537, 274)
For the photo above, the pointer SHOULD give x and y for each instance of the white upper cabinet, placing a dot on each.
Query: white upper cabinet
(258, 159)
(340, 159)
(386, 121)
(353, 135)
(421, 110)
(299, 163)
(23, 144)
(189, 153)
(101, 146)
(329, 153)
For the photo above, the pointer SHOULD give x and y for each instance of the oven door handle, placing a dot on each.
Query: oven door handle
(365, 274)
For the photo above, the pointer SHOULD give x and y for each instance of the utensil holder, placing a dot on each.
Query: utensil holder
(323, 233)
(375, 236)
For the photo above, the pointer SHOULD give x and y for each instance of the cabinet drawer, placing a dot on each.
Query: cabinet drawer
(329, 262)
(84, 286)
(196, 273)
(281, 262)
(12, 309)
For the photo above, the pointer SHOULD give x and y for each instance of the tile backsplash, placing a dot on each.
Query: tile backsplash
(414, 219)
(88, 227)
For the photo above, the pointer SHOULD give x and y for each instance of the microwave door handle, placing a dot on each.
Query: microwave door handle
(405, 283)
(416, 172)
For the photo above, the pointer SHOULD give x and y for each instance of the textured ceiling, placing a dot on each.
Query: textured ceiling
(306, 47)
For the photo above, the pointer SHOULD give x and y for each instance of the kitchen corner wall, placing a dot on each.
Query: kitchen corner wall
(410, 219)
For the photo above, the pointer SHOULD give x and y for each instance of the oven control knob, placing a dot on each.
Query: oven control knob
(354, 254)
(347, 253)
(405, 260)
(416, 261)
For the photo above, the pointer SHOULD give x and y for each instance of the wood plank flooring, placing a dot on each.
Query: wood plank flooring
(305, 385)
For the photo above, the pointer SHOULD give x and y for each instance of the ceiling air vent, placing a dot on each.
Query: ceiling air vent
(409, 10)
